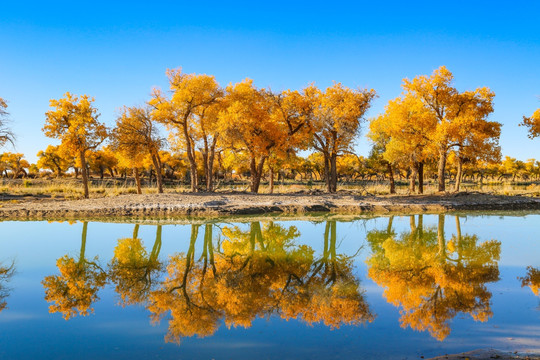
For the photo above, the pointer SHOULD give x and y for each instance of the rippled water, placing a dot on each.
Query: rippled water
(386, 287)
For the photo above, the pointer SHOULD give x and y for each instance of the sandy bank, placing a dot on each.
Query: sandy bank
(218, 204)
(488, 354)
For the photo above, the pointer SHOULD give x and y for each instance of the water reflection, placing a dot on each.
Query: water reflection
(231, 275)
(532, 279)
(240, 275)
(257, 273)
(133, 270)
(432, 278)
(6, 273)
(73, 291)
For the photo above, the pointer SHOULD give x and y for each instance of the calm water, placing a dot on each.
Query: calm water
(387, 287)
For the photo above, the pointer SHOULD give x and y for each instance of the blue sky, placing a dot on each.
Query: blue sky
(117, 51)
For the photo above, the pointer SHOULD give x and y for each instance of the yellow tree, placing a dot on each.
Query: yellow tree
(101, 160)
(455, 112)
(335, 124)
(187, 112)
(16, 163)
(5, 133)
(74, 120)
(135, 136)
(404, 130)
(532, 123)
(52, 159)
(247, 124)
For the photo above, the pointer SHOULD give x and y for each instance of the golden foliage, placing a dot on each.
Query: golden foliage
(532, 123)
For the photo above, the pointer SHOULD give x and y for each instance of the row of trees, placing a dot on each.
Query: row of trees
(200, 115)
(430, 124)
(229, 165)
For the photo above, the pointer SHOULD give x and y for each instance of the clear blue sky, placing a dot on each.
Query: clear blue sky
(117, 51)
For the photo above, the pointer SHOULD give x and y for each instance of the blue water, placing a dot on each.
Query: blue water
(113, 331)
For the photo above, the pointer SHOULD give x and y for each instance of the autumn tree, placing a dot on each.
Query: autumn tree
(456, 113)
(101, 160)
(403, 132)
(74, 120)
(52, 159)
(136, 136)
(6, 136)
(532, 123)
(75, 289)
(16, 163)
(248, 125)
(191, 113)
(335, 124)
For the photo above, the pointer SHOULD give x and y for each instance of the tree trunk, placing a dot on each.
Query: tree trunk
(84, 171)
(441, 170)
(459, 174)
(159, 176)
(256, 173)
(327, 171)
(192, 162)
(333, 173)
(137, 180)
(391, 178)
(210, 167)
(271, 180)
(421, 178)
(412, 179)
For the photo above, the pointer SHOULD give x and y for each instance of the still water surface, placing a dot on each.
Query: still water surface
(386, 287)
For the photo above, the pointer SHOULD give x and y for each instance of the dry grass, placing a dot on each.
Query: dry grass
(72, 188)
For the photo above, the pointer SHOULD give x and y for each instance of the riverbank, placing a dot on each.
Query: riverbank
(218, 204)
(487, 355)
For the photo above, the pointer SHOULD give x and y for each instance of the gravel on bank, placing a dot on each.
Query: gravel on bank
(218, 204)
(485, 354)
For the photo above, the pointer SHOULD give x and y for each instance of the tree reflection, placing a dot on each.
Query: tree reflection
(6, 272)
(532, 279)
(431, 278)
(256, 273)
(75, 289)
(133, 270)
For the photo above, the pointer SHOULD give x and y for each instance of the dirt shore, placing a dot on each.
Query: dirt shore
(488, 354)
(219, 204)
